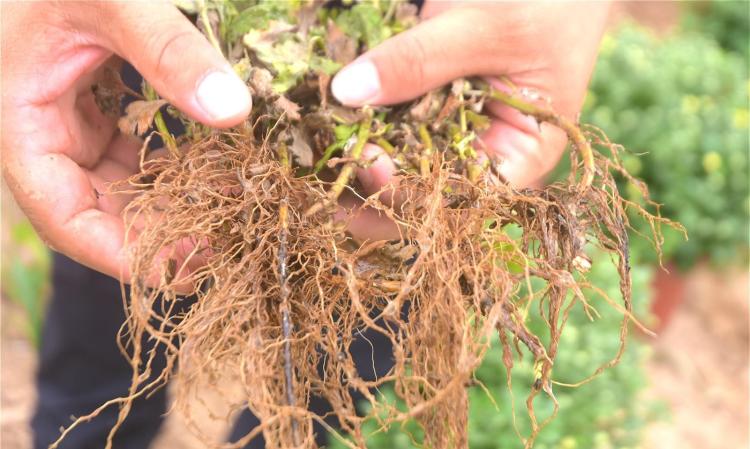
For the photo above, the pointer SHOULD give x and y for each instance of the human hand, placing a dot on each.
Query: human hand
(547, 47)
(58, 149)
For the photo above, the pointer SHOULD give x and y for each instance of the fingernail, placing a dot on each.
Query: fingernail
(357, 83)
(223, 95)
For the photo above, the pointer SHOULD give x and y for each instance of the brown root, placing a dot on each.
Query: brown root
(281, 293)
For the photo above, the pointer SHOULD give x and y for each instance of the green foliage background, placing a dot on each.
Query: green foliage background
(680, 108)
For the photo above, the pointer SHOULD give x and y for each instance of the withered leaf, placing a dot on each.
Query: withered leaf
(261, 83)
(346, 115)
(421, 110)
(138, 116)
(324, 82)
(301, 148)
(450, 106)
(340, 47)
(307, 16)
(288, 107)
(109, 90)
(317, 120)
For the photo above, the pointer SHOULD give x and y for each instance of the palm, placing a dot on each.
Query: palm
(65, 154)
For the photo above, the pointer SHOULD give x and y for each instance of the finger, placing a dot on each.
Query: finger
(378, 175)
(523, 40)
(527, 149)
(425, 57)
(363, 222)
(177, 60)
(523, 159)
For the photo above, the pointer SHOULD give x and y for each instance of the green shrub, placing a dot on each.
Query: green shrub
(680, 108)
(728, 22)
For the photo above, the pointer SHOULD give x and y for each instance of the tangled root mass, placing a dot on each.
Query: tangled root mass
(249, 225)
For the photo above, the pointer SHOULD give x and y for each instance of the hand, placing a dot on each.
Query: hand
(58, 149)
(547, 47)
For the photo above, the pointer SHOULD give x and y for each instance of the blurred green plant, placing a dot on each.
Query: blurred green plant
(680, 108)
(727, 21)
(605, 413)
(25, 276)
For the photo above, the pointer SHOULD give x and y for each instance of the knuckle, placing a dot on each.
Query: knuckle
(413, 59)
(165, 47)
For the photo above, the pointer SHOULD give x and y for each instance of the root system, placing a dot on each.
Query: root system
(245, 221)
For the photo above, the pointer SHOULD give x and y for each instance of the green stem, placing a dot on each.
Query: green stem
(546, 114)
(207, 25)
(166, 136)
(386, 146)
(327, 155)
(424, 158)
(347, 171)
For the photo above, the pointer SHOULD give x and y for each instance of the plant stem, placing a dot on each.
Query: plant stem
(286, 321)
(347, 171)
(207, 25)
(546, 114)
(424, 158)
(166, 136)
(327, 155)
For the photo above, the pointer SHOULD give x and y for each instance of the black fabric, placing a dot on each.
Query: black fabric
(80, 365)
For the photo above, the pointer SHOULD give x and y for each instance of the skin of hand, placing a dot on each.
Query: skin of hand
(58, 149)
(547, 47)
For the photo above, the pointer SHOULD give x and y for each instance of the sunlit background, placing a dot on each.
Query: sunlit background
(672, 86)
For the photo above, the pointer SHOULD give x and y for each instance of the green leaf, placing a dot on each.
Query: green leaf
(323, 64)
(256, 17)
(364, 22)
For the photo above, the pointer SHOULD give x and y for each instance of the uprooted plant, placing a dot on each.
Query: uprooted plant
(248, 219)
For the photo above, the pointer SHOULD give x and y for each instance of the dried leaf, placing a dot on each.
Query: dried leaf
(261, 83)
(109, 91)
(340, 47)
(307, 16)
(138, 116)
(288, 107)
(317, 120)
(457, 86)
(301, 149)
(287, 57)
(324, 82)
(449, 107)
(421, 110)
(346, 115)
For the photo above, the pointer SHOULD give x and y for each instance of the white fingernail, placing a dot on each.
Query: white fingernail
(357, 84)
(223, 95)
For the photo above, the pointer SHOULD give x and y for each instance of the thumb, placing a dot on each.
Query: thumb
(432, 54)
(178, 61)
